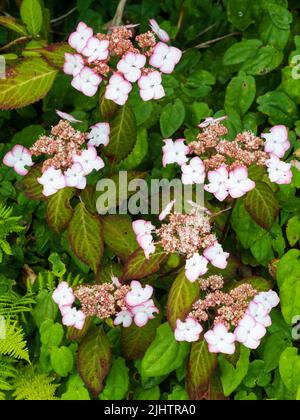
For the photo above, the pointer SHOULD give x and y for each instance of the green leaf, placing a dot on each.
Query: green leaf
(266, 60)
(289, 367)
(275, 345)
(262, 205)
(117, 381)
(232, 375)
(76, 390)
(93, 360)
(136, 340)
(241, 51)
(165, 354)
(58, 267)
(201, 365)
(107, 108)
(51, 333)
(293, 230)
(137, 266)
(240, 93)
(182, 295)
(45, 308)
(32, 16)
(74, 334)
(123, 134)
(27, 82)
(118, 235)
(279, 108)
(239, 13)
(151, 394)
(59, 211)
(62, 360)
(85, 236)
(257, 376)
(172, 118)
(12, 24)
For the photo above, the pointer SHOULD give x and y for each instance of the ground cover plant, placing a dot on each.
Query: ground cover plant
(101, 295)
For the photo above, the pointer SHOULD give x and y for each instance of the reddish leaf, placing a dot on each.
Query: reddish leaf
(137, 266)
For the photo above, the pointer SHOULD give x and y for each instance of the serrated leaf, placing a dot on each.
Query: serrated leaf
(54, 54)
(107, 108)
(136, 340)
(118, 235)
(26, 83)
(262, 205)
(138, 267)
(59, 211)
(122, 134)
(33, 190)
(201, 365)
(182, 295)
(139, 152)
(12, 24)
(85, 236)
(241, 51)
(32, 15)
(266, 60)
(93, 360)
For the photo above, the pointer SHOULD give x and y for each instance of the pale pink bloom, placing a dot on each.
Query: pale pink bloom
(149, 250)
(239, 183)
(75, 177)
(99, 135)
(259, 313)
(138, 294)
(96, 49)
(18, 158)
(124, 318)
(167, 210)
(218, 181)
(67, 117)
(118, 89)
(193, 172)
(195, 267)
(73, 318)
(210, 121)
(143, 313)
(146, 243)
(277, 141)
(89, 160)
(79, 39)
(52, 180)
(175, 152)
(63, 295)
(219, 340)
(73, 64)
(151, 86)
(279, 171)
(87, 82)
(161, 33)
(130, 66)
(165, 58)
(216, 256)
(249, 332)
(189, 330)
(141, 227)
(268, 300)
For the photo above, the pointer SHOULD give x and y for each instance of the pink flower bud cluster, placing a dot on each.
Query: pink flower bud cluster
(241, 315)
(189, 235)
(96, 56)
(225, 163)
(71, 156)
(127, 304)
